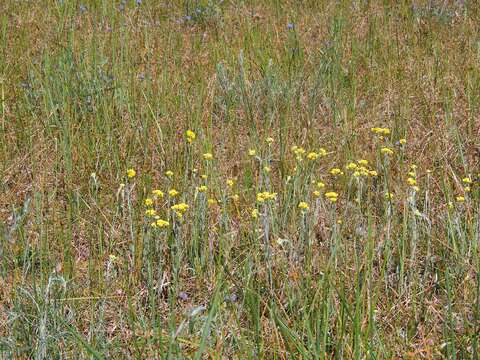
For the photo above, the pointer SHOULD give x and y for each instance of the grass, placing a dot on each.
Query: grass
(279, 93)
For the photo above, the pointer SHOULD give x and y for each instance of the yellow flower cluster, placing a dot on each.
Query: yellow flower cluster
(158, 193)
(332, 196)
(380, 131)
(190, 136)
(386, 151)
(131, 173)
(180, 209)
(265, 196)
(160, 223)
(303, 205)
(207, 156)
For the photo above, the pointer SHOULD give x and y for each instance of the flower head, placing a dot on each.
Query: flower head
(303, 205)
(190, 136)
(386, 151)
(148, 202)
(162, 223)
(411, 181)
(269, 140)
(131, 173)
(207, 156)
(169, 173)
(265, 196)
(254, 214)
(173, 193)
(336, 171)
(252, 152)
(312, 156)
(150, 212)
(332, 196)
(351, 166)
(388, 195)
(467, 180)
(181, 207)
(202, 188)
(402, 141)
(158, 193)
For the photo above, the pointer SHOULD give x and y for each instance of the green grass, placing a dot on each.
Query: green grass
(91, 89)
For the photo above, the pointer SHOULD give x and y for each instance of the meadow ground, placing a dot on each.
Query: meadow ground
(239, 179)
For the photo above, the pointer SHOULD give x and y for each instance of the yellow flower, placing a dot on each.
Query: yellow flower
(212, 202)
(411, 181)
(254, 213)
(322, 152)
(413, 167)
(269, 140)
(267, 168)
(190, 136)
(303, 205)
(460, 198)
(466, 189)
(336, 171)
(312, 156)
(386, 151)
(162, 223)
(235, 197)
(204, 177)
(158, 193)
(131, 173)
(202, 188)
(252, 152)
(363, 162)
(208, 156)
(173, 193)
(450, 205)
(148, 202)
(316, 193)
(332, 196)
(299, 151)
(373, 173)
(386, 131)
(150, 212)
(412, 174)
(356, 173)
(320, 185)
(230, 182)
(388, 196)
(169, 173)
(181, 207)
(265, 196)
(467, 180)
(351, 166)
(402, 141)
